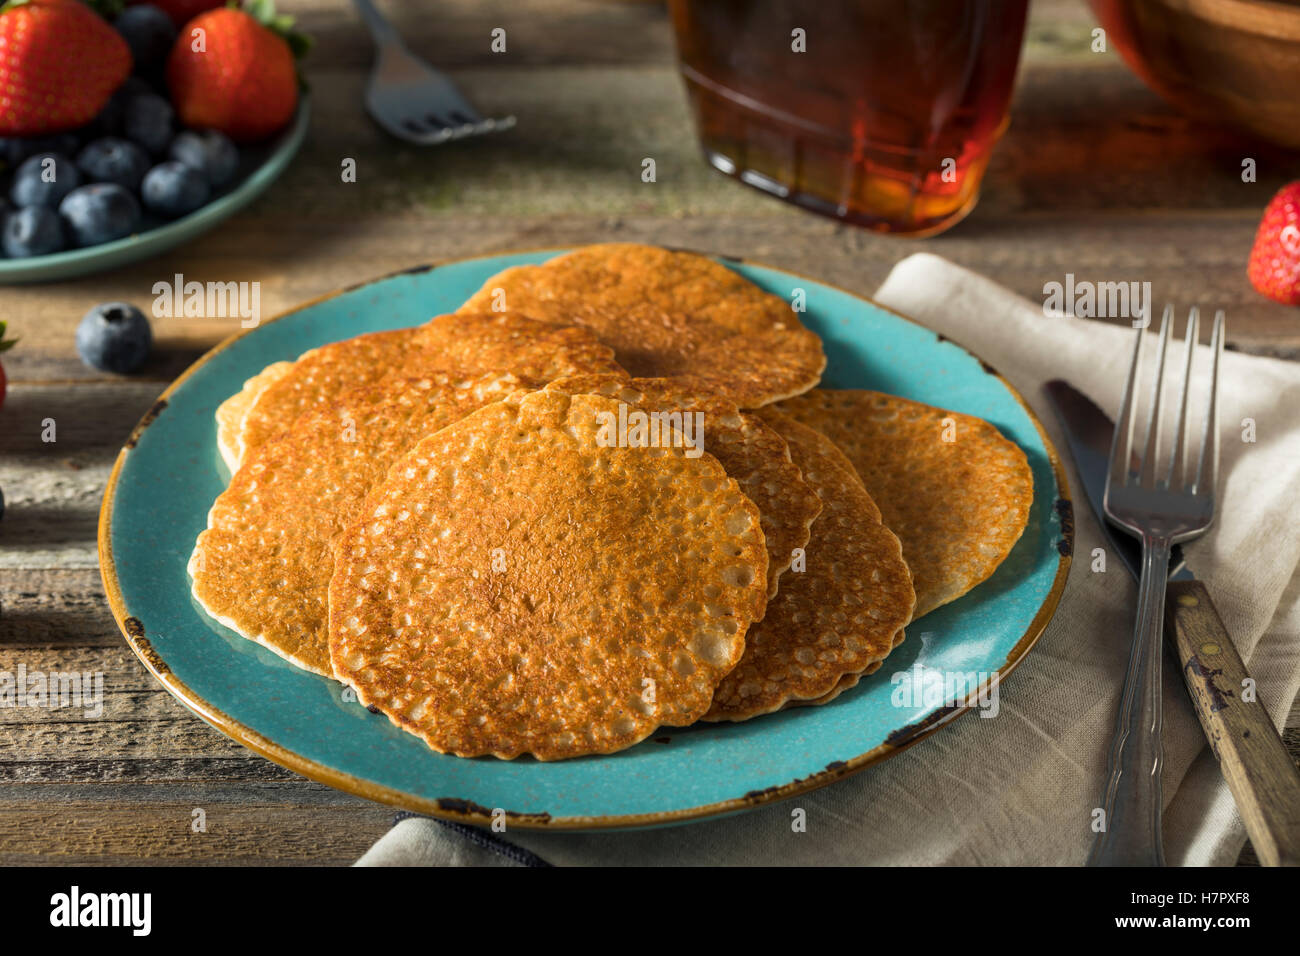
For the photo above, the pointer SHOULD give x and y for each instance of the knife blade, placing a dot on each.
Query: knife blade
(1088, 432)
(1260, 773)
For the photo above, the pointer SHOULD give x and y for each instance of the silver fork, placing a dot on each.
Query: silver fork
(1160, 511)
(412, 100)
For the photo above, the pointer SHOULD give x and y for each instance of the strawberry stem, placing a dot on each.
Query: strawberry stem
(281, 24)
(108, 9)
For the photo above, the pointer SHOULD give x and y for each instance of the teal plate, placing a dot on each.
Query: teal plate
(167, 476)
(259, 166)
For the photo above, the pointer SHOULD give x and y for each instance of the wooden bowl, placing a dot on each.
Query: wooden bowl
(1223, 61)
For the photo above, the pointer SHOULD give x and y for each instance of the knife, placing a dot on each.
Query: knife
(1260, 773)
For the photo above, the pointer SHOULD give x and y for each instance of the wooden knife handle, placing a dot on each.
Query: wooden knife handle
(1261, 775)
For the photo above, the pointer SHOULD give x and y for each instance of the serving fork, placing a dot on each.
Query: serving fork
(412, 100)
(1161, 507)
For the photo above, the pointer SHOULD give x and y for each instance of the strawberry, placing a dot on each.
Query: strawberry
(1274, 267)
(233, 71)
(182, 11)
(59, 63)
(5, 346)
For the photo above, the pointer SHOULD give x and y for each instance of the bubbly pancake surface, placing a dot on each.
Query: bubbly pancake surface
(516, 585)
(320, 376)
(954, 490)
(669, 314)
(263, 565)
(537, 351)
(847, 682)
(842, 614)
(750, 450)
(231, 412)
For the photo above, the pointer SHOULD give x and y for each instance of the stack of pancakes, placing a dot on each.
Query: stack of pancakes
(602, 497)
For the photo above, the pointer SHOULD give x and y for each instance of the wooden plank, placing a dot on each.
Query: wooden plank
(458, 33)
(53, 487)
(247, 823)
(115, 767)
(44, 607)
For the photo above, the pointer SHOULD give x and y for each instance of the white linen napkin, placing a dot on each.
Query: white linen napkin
(1018, 788)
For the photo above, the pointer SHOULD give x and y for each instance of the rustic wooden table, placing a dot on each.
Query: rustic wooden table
(1096, 177)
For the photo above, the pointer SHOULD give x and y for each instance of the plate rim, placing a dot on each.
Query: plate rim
(464, 811)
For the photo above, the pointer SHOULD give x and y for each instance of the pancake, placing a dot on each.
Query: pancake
(537, 351)
(263, 565)
(669, 314)
(231, 412)
(842, 614)
(750, 450)
(846, 683)
(957, 506)
(516, 586)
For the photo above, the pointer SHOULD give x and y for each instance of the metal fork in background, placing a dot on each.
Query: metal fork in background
(1161, 510)
(412, 100)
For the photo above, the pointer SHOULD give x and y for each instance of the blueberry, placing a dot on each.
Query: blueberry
(11, 150)
(43, 180)
(135, 85)
(112, 117)
(173, 189)
(148, 31)
(114, 160)
(14, 149)
(64, 143)
(108, 122)
(211, 153)
(34, 231)
(99, 213)
(114, 337)
(148, 122)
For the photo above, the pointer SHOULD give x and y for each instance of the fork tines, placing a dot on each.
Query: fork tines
(1144, 471)
(436, 129)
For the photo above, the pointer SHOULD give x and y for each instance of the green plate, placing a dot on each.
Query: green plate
(259, 166)
(166, 478)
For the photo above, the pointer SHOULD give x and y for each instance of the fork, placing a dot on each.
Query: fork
(1161, 512)
(412, 100)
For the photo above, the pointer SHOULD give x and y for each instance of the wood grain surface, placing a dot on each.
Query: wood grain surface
(1096, 177)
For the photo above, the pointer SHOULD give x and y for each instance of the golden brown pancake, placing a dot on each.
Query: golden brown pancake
(263, 565)
(842, 614)
(669, 314)
(537, 351)
(231, 413)
(847, 682)
(516, 585)
(750, 450)
(954, 490)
